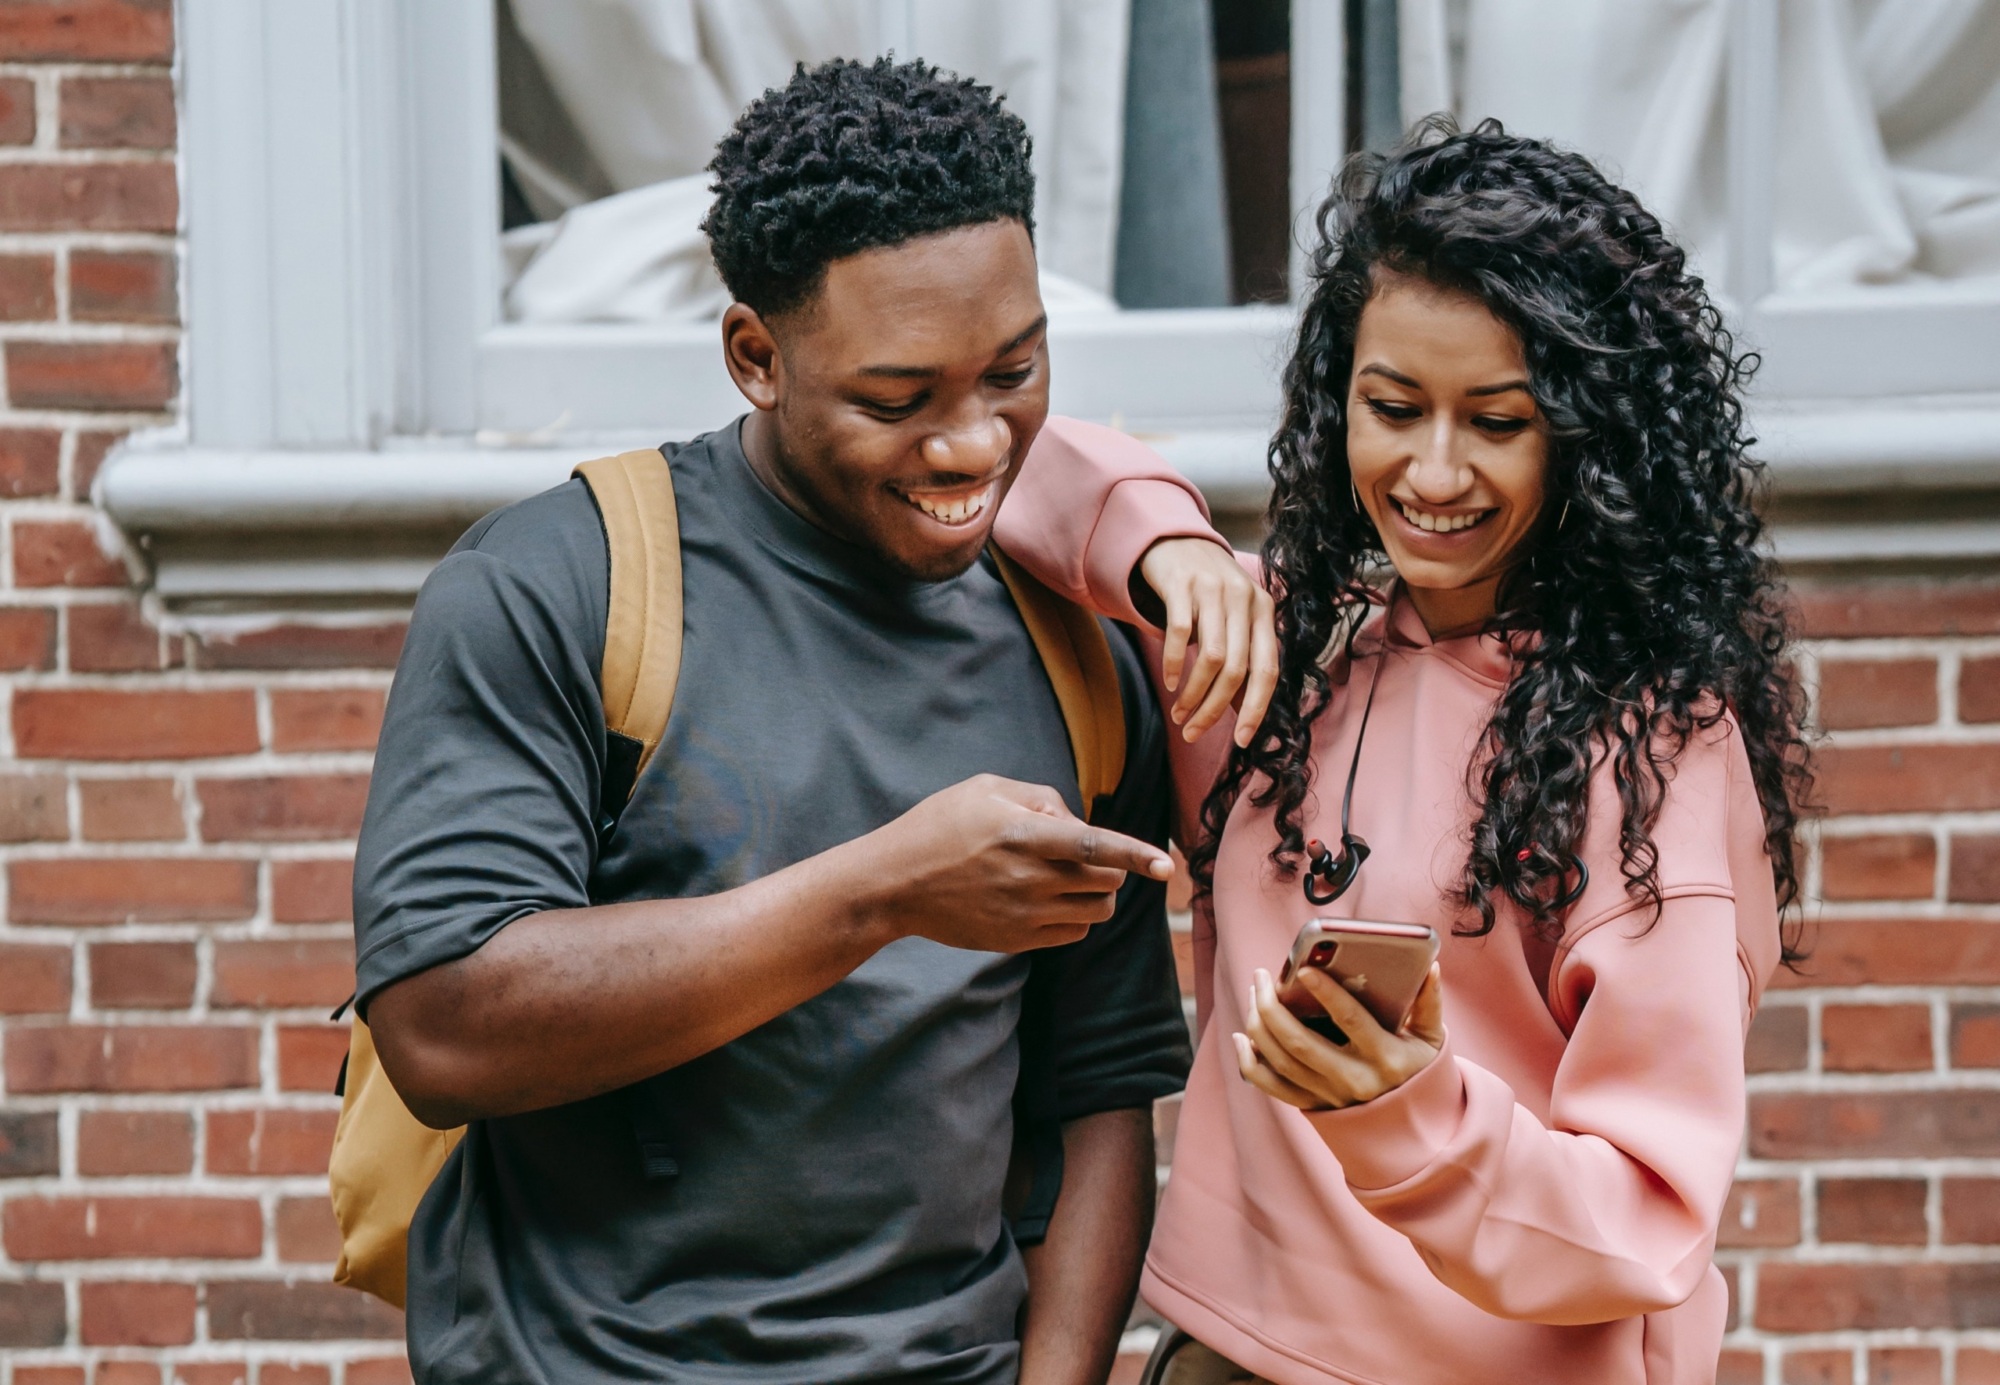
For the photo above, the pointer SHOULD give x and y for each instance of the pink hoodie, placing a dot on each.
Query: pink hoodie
(1540, 1203)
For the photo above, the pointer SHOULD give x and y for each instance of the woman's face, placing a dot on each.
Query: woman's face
(1448, 450)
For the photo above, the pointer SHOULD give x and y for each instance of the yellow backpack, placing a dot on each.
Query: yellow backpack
(384, 1159)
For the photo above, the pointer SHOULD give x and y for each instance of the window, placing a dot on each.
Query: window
(350, 371)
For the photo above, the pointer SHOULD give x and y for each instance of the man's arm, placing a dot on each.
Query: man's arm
(1082, 1277)
(535, 1018)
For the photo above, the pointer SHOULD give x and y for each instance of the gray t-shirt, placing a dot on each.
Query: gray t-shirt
(824, 1198)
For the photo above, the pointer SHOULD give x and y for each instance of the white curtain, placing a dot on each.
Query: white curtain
(1889, 118)
(650, 86)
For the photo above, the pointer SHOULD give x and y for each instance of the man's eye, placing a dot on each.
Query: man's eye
(900, 409)
(1012, 379)
(1391, 410)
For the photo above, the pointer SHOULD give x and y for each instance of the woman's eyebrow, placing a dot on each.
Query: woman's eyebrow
(1501, 388)
(1373, 368)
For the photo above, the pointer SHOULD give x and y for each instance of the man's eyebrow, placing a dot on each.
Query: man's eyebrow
(925, 372)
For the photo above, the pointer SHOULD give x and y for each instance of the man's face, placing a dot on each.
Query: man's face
(894, 406)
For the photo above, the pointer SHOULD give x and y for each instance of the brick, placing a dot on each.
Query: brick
(48, 1375)
(212, 1373)
(310, 1055)
(88, 197)
(303, 647)
(1760, 1212)
(113, 31)
(1877, 1211)
(32, 1315)
(1978, 1366)
(1979, 690)
(91, 449)
(131, 1058)
(156, 1314)
(28, 1144)
(34, 979)
(27, 284)
(127, 1373)
(142, 976)
(1777, 1040)
(1975, 1036)
(17, 110)
(1739, 1368)
(1909, 778)
(383, 1370)
(1858, 693)
(30, 461)
(1974, 877)
(1837, 1297)
(1875, 1038)
(258, 1310)
(1867, 1125)
(270, 1141)
(1166, 1127)
(116, 113)
(116, 376)
(113, 1143)
(1905, 1366)
(27, 638)
(305, 719)
(1971, 1211)
(113, 724)
(120, 1228)
(123, 286)
(78, 891)
(291, 1373)
(1877, 608)
(316, 972)
(34, 808)
(1898, 952)
(1818, 1366)
(114, 637)
(282, 808)
(1896, 865)
(1183, 945)
(66, 553)
(307, 1232)
(131, 810)
(312, 891)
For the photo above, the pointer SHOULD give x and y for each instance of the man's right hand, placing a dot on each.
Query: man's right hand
(993, 865)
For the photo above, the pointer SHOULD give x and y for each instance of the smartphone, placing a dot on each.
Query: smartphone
(1382, 965)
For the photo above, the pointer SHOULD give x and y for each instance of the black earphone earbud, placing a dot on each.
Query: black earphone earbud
(1338, 871)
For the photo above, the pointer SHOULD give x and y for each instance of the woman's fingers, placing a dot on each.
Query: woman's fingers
(1260, 1075)
(1364, 1032)
(1299, 1054)
(1426, 1020)
(1180, 625)
(1263, 680)
(1230, 606)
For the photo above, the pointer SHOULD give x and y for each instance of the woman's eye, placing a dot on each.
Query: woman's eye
(1500, 427)
(1392, 411)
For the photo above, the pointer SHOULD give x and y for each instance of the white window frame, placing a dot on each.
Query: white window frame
(347, 369)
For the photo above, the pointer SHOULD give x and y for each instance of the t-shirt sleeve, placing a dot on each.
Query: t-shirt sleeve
(1120, 1036)
(483, 804)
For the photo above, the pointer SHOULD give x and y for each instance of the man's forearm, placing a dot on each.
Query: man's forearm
(1082, 1277)
(572, 1003)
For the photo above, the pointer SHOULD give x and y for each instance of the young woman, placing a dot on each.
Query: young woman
(1574, 751)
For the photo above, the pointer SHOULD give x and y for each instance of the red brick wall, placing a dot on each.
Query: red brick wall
(177, 813)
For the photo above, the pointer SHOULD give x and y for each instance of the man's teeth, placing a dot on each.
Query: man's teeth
(1439, 524)
(952, 511)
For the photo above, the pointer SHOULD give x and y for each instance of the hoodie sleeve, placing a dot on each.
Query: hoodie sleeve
(1087, 505)
(1610, 1208)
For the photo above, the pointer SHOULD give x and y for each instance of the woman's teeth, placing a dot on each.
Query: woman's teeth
(1438, 524)
(952, 511)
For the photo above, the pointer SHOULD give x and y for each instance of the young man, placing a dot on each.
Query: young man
(797, 956)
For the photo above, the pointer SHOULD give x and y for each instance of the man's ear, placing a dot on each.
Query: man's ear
(750, 351)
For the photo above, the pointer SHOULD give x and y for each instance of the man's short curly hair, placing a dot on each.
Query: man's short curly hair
(848, 156)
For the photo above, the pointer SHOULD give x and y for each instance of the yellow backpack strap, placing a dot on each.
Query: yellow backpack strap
(642, 634)
(1077, 656)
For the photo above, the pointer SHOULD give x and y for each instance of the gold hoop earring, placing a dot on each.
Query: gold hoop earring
(1562, 518)
(1356, 493)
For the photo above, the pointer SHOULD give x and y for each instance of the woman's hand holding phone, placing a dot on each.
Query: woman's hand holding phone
(1280, 1056)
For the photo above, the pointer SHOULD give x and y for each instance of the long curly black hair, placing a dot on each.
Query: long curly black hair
(847, 156)
(1651, 607)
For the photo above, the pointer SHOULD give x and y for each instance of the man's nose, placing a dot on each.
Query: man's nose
(971, 448)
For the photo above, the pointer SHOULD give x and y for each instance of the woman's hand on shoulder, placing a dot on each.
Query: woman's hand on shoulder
(1214, 606)
(1278, 1055)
